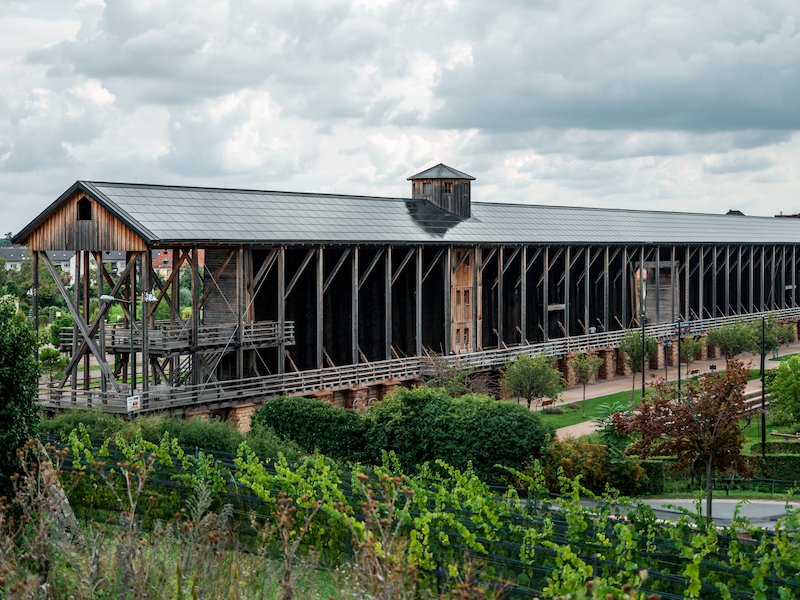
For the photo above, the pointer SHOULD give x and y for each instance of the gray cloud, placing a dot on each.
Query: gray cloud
(672, 105)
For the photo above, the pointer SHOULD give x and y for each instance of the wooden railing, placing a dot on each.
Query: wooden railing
(165, 339)
(229, 393)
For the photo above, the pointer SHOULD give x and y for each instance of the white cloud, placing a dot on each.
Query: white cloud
(671, 105)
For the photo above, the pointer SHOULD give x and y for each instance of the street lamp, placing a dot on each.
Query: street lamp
(642, 275)
(763, 388)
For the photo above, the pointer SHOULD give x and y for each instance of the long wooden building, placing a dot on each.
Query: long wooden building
(334, 293)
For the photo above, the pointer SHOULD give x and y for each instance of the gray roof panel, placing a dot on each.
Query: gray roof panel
(441, 171)
(183, 215)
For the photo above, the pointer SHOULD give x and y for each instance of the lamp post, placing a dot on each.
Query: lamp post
(763, 387)
(642, 274)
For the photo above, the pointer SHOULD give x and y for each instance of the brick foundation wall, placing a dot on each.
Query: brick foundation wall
(241, 416)
(608, 368)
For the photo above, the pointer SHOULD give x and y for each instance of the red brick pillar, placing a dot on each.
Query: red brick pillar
(622, 367)
(565, 365)
(203, 414)
(324, 395)
(703, 351)
(712, 351)
(241, 416)
(358, 398)
(673, 353)
(608, 367)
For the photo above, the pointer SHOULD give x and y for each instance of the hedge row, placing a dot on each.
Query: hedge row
(213, 434)
(418, 425)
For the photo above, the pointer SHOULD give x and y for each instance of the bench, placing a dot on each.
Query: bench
(694, 371)
(548, 402)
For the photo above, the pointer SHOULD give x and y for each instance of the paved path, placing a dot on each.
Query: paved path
(623, 383)
(761, 513)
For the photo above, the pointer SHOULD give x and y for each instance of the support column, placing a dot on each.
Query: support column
(606, 290)
(387, 294)
(674, 284)
(624, 311)
(318, 320)
(354, 357)
(98, 259)
(86, 281)
(448, 294)
(546, 295)
(752, 279)
(477, 267)
(586, 277)
(240, 313)
(35, 296)
(763, 306)
(281, 292)
(500, 299)
(687, 273)
(658, 284)
(567, 265)
(145, 257)
(196, 370)
(523, 297)
(418, 303)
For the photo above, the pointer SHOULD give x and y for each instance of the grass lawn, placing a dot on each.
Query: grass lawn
(752, 432)
(784, 357)
(595, 407)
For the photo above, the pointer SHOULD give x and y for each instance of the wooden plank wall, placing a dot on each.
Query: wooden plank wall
(63, 231)
(221, 304)
(462, 297)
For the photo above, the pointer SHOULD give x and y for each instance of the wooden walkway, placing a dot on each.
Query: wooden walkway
(230, 393)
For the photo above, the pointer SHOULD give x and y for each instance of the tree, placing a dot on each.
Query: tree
(734, 338)
(532, 377)
(585, 366)
(53, 363)
(785, 389)
(19, 378)
(691, 346)
(703, 428)
(631, 344)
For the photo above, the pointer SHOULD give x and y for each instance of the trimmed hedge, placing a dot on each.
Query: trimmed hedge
(777, 448)
(424, 424)
(211, 434)
(418, 425)
(779, 466)
(315, 425)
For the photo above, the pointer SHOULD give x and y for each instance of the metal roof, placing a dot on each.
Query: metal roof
(191, 215)
(441, 171)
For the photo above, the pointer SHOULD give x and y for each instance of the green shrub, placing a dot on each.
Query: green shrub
(777, 448)
(211, 435)
(99, 425)
(598, 466)
(779, 466)
(424, 424)
(55, 329)
(266, 443)
(315, 425)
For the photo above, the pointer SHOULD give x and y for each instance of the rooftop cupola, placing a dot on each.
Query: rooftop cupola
(445, 187)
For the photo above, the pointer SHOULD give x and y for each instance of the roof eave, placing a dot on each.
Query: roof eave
(97, 196)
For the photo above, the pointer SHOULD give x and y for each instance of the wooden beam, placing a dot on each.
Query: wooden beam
(281, 301)
(335, 271)
(371, 266)
(399, 270)
(82, 326)
(448, 298)
(215, 277)
(320, 313)
(354, 288)
(101, 314)
(387, 297)
(307, 259)
(418, 303)
(433, 264)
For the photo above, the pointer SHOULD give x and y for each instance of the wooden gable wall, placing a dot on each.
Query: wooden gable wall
(62, 230)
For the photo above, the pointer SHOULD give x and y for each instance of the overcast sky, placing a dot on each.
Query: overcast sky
(672, 105)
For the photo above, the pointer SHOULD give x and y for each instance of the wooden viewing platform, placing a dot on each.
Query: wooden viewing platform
(165, 338)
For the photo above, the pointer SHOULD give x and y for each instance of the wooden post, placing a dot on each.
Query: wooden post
(418, 304)
(76, 286)
(98, 259)
(240, 313)
(354, 357)
(86, 281)
(175, 307)
(606, 290)
(448, 297)
(145, 258)
(196, 371)
(387, 296)
(477, 268)
(281, 363)
(567, 268)
(500, 299)
(586, 277)
(523, 297)
(35, 295)
(546, 295)
(319, 310)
